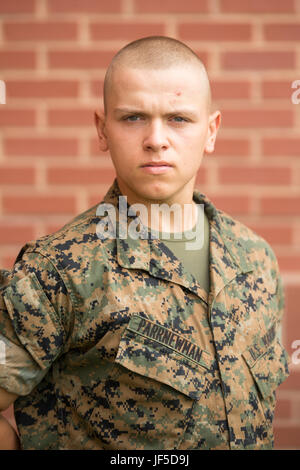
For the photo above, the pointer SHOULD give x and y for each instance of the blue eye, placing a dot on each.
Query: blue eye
(181, 119)
(132, 118)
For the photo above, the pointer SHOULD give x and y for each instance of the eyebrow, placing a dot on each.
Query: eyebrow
(185, 111)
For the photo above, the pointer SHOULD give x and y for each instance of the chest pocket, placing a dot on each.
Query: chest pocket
(159, 353)
(157, 378)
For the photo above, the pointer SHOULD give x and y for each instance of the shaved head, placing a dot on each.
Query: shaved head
(157, 123)
(155, 53)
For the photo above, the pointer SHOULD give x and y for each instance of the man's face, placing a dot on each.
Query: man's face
(157, 128)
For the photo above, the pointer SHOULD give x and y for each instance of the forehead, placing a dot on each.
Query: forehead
(184, 82)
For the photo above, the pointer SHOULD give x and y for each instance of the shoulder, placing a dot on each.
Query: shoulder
(247, 245)
(249, 249)
(67, 246)
(243, 236)
(233, 231)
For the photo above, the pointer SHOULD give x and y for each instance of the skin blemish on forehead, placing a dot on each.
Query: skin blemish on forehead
(178, 93)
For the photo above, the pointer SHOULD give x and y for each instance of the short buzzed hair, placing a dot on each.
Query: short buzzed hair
(154, 52)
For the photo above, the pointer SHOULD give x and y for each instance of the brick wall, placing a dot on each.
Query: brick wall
(53, 57)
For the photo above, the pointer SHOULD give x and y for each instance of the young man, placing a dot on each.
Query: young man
(118, 341)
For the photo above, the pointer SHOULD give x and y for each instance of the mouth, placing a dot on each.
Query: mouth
(156, 164)
(156, 168)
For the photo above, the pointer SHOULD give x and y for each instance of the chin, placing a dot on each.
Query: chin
(157, 193)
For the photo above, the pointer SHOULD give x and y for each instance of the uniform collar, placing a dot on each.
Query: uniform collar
(228, 250)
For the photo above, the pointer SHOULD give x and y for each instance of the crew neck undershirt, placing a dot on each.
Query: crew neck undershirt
(195, 261)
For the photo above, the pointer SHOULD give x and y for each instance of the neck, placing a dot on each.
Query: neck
(174, 214)
(170, 218)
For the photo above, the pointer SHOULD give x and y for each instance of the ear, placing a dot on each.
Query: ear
(100, 126)
(214, 122)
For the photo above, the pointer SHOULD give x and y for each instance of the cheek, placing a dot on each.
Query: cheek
(123, 148)
(192, 136)
(193, 144)
(123, 139)
(117, 143)
(192, 153)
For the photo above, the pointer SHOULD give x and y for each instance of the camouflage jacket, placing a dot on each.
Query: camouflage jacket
(111, 344)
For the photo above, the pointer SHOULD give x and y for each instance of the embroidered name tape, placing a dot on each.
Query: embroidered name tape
(169, 338)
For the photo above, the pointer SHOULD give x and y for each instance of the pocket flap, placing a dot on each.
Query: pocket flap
(268, 362)
(157, 352)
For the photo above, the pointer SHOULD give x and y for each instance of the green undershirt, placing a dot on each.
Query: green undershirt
(195, 261)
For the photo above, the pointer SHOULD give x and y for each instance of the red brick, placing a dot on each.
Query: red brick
(281, 146)
(257, 6)
(71, 117)
(292, 301)
(210, 31)
(292, 382)
(203, 56)
(17, 117)
(232, 147)
(254, 175)
(222, 89)
(96, 88)
(79, 59)
(16, 7)
(284, 206)
(169, 6)
(287, 437)
(86, 6)
(201, 176)
(106, 159)
(12, 233)
(282, 32)
(41, 31)
(283, 409)
(39, 204)
(125, 30)
(258, 117)
(79, 176)
(96, 198)
(41, 89)
(7, 262)
(277, 89)
(17, 59)
(235, 205)
(258, 60)
(289, 263)
(274, 234)
(41, 147)
(19, 176)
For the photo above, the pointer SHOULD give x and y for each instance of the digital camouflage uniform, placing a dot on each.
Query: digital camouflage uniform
(112, 345)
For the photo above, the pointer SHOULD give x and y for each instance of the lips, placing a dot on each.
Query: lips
(157, 168)
(156, 164)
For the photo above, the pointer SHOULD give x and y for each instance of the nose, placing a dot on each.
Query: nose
(155, 138)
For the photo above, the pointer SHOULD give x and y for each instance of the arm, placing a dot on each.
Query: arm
(34, 304)
(8, 436)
